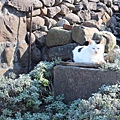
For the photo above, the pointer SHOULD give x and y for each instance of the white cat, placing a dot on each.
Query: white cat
(93, 53)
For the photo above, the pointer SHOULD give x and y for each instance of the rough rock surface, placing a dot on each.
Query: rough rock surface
(76, 82)
(8, 55)
(64, 52)
(47, 18)
(58, 36)
(80, 33)
(13, 26)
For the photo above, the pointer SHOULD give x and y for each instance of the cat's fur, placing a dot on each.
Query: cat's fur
(93, 53)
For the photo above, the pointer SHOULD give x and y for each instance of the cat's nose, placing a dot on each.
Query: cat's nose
(96, 52)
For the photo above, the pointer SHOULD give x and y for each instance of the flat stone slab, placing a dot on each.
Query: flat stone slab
(79, 82)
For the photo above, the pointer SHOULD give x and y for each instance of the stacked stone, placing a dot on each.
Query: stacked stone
(57, 27)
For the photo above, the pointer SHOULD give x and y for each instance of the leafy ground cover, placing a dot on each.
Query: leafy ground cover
(30, 97)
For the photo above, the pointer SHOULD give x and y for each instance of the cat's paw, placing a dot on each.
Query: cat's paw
(101, 62)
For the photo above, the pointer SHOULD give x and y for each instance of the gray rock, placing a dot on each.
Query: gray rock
(32, 40)
(37, 4)
(113, 55)
(63, 52)
(24, 6)
(96, 15)
(61, 22)
(58, 36)
(84, 15)
(78, 7)
(44, 53)
(69, 1)
(3, 71)
(92, 23)
(22, 54)
(64, 9)
(102, 7)
(110, 40)
(94, 1)
(6, 54)
(44, 11)
(37, 22)
(80, 83)
(112, 23)
(72, 18)
(80, 34)
(85, 4)
(115, 8)
(49, 22)
(35, 55)
(40, 38)
(34, 13)
(9, 22)
(76, 1)
(108, 3)
(48, 3)
(44, 28)
(53, 22)
(52, 11)
(100, 14)
(58, 17)
(105, 18)
(57, 2)
(93, 6)
(9, 55)
(69, 5)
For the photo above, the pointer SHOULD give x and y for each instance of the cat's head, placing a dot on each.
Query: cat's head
(96, 48)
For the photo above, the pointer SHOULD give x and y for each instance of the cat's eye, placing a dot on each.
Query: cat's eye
(94, 48)
(98, 48)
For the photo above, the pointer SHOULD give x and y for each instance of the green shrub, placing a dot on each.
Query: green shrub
(29, 97)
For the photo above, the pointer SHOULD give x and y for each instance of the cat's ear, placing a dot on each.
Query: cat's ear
(90, 41)
(103, 42)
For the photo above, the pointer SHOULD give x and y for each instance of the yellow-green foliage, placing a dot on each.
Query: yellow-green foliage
(29, 97)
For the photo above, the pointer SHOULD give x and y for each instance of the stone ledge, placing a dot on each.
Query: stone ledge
(79, 82)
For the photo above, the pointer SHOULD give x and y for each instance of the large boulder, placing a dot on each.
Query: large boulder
(58, 36)
(13, 25)
(12, 33)
(80, 33)
(63, 52)
(80, 83)
(24, 5)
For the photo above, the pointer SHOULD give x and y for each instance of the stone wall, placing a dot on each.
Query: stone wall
(57, 27)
